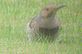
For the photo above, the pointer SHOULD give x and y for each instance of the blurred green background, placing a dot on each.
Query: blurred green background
(15, 14)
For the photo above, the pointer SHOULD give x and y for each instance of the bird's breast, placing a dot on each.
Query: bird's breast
(48, 31)
(48, 23)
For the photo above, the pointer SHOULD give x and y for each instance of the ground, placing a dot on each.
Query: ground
(14, 15)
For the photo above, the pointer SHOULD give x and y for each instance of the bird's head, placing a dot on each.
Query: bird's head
(50, 10)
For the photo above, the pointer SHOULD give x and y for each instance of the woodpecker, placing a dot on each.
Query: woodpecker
(45, 24)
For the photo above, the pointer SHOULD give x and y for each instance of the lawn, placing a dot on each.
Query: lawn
(14, 15)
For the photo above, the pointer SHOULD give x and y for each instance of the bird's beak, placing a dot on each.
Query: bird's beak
(60, 6)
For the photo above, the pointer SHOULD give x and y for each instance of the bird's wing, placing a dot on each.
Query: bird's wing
(33, 25)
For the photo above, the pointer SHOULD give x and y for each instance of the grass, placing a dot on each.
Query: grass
(14, 14)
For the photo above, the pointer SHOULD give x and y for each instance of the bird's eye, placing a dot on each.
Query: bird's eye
(47, 9)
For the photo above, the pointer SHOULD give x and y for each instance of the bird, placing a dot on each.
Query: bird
(45, 25)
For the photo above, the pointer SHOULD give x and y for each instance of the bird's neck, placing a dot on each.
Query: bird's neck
(51, 15)
(46, 22)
